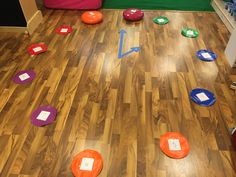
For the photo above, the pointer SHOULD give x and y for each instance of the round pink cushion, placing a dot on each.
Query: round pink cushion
(133, 14)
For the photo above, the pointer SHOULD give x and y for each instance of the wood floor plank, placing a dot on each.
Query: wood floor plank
(119, 107)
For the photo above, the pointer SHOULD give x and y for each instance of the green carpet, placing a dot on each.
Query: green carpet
(185, 5)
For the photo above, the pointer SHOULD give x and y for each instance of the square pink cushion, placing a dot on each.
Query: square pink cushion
(73, 4)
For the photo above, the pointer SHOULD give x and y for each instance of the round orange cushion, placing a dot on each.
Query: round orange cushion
(174, 153)
(92, 17)
(77, 165)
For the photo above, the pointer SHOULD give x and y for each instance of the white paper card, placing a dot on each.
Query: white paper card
(161, 20)
(43, 115)
(24, 76)
(87, 164)
(202, 96)
(37, 49)
(174, 145)
(206, 55)
(64, 30)
(189, 32)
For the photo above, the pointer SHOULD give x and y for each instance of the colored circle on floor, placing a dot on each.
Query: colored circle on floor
(87, 163)
(92, 17)
(24, 77)
(64, 30)
(133, 14)
(174, 145)
(190, 33)
(206, 55)
(161, 20)
(202, 97)
(44, 115)
(36, 49)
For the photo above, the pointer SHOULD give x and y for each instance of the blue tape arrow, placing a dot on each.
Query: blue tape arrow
(122, 33)
(133, 49)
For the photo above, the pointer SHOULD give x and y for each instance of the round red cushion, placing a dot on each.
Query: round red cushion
(92, 17)
(133, 14)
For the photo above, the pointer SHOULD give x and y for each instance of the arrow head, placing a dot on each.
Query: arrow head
(135, 49)
(122, 31)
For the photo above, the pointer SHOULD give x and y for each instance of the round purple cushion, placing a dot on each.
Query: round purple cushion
(52, 113)
(133, 14)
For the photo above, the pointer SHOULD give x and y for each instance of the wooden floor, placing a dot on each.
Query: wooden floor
(117, 107)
